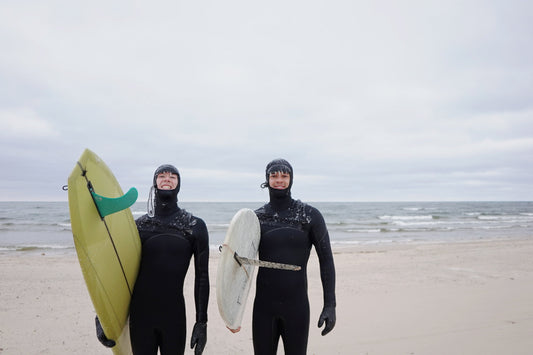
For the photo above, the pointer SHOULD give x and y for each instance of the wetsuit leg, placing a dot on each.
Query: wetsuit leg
(157, 310)
(147, 337)
(265, 329)
(173, 331)
(295, 328)
(274, 320)
(173, 340)
(143, 339)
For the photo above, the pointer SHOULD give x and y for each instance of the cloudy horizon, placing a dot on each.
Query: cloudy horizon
(369, 101)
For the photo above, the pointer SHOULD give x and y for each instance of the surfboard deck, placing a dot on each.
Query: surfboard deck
(235, 278)
(107, 244)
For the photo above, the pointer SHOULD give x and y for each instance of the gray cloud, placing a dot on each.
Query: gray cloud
(369, 101)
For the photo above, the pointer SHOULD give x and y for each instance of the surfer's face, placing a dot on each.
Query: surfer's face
(279, 180)
(166, 181)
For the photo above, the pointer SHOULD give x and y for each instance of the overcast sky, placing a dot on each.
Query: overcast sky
(369, 100)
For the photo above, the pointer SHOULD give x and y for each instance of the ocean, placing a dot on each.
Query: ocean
(44, 227)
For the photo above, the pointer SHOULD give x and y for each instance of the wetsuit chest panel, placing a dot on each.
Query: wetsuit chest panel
(167, 248)
(284, 245)
(168, 255)
(285, 238)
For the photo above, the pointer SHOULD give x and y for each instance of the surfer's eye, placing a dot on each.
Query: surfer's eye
(167, 176)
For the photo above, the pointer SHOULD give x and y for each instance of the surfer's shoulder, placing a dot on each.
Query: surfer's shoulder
(142, 219)
(262, 210)
(191, 220)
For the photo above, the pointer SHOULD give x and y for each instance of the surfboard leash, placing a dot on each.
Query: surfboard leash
(261, 263)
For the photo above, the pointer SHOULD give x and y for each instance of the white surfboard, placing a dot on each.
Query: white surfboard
(233, 278)
(237, 264)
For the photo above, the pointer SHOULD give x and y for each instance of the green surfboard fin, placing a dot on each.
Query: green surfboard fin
(108, 205)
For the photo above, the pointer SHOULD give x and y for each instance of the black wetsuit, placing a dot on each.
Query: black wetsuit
(281, 308)
(157, 311)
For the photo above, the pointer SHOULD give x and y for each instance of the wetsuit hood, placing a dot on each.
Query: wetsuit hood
(283, 166)
(163, 202)
(167, 168)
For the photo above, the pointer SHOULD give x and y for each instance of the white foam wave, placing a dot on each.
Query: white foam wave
(406, 218)
(364, 230)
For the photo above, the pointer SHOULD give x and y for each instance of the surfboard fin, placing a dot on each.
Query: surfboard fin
(108, 205)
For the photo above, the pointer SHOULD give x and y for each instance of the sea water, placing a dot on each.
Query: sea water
(45, 226)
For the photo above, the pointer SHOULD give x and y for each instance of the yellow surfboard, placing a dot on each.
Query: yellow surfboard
(107, 243)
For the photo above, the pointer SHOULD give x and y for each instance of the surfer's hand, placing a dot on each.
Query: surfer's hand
(328, 316)
(108, 343)
(199, 338)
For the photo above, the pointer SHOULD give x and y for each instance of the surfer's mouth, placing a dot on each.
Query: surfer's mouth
(166, 187)
(279, 187)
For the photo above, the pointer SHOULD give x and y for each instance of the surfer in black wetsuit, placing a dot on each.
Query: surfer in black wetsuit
(170, 236)
(288, 230)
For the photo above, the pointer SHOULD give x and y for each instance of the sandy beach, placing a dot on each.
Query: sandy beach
(455, 298)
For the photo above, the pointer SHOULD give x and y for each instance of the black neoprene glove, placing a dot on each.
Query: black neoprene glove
(108, 343)
(199, 338)
(328, 316)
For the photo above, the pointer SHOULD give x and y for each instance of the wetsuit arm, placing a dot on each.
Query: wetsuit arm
(320, 237)
(201, 263)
